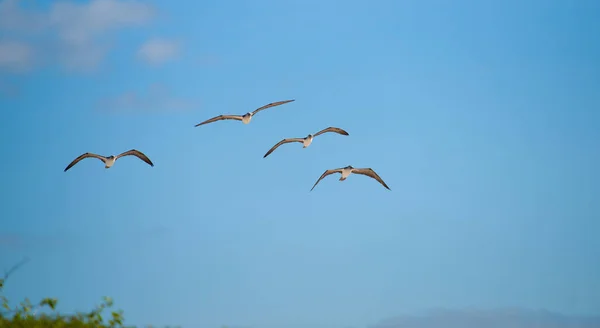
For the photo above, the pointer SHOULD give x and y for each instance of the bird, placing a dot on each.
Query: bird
(307, 140)
(246, 117)
(110, 160)
(345, 171)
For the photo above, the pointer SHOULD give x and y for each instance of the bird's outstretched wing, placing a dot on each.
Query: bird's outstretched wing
(137, 154)
(370, 173)
(332, 129)
(284, 141)
(221, 117)
(273, 104)
(82, 156)
(326, 173)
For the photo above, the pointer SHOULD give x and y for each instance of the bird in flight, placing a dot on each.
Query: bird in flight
(246, 117)
(110, 160)
(345, 171)
(307, 140)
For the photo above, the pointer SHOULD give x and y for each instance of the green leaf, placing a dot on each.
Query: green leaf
(51, 302)
(108, 301)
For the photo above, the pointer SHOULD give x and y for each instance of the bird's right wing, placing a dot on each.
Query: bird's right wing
(221, 117)
(370, 173)
(273, 104)
(138, 154)
(332, 129)
(326, 173)
(86, 155)
(284, 141)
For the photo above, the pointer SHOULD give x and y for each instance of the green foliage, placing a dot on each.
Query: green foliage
(25, 315)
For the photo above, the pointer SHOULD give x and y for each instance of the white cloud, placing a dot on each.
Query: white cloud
(15, 55)
(158, 51)
(499, 318)
(73, 33)
(79, 23)
(157, 98)
(14, 19)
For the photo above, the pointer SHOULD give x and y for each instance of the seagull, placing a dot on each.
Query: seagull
(110, 160)
(246, 117)
(345, 171)
(308, 140)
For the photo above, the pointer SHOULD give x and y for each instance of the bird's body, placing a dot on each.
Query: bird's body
(306, 141)
(346, 171)
(109, 161)
(246, 118)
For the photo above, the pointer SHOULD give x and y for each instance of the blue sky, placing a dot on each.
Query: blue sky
(481, 116)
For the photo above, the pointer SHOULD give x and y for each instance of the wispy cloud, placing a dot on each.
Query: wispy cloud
(11, 240)
(157, 98)
(15, 55)
(498, 318)
(21, 241)
(73, 34)
(8, 89)
(158, 51)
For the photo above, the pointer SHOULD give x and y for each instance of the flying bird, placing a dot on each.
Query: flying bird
(307, 140)
(246, 117)
(345, 171)
(110, 160)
